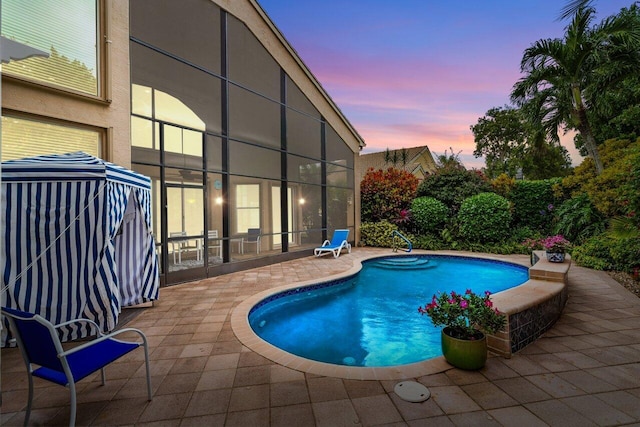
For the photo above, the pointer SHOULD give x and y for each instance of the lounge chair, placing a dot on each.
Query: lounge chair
(40, 345)
(335, 246)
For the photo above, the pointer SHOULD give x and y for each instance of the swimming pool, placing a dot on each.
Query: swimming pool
(371, 319)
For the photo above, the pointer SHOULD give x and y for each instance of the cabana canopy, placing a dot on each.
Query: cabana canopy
(76, 239)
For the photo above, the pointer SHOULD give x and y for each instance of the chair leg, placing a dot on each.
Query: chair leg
(28, 411)
(146, 362)
(72, 415)
(103, 373)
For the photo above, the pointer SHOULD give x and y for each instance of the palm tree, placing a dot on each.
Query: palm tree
(563, 77)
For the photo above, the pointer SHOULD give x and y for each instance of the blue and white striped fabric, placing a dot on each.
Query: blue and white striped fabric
(67, 250)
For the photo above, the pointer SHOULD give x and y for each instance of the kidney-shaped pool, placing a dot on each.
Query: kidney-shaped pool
(371, 319)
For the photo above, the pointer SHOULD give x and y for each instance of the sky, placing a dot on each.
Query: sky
(408, 73)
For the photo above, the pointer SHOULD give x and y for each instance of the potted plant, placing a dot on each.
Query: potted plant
(466, 319)
(556, 247)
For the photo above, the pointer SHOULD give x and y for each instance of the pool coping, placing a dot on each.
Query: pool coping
(244, 333)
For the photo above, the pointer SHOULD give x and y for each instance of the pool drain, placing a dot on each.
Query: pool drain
(412, 391)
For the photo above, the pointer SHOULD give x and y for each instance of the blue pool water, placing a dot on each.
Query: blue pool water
(372, 319)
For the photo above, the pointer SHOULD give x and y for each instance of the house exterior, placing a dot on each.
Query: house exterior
(251, 162)
(417, 160)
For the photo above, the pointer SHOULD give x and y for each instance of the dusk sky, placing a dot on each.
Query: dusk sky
(408, 73)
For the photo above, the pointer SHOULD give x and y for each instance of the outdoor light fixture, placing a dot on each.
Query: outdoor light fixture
(301, 201)
(218, 200)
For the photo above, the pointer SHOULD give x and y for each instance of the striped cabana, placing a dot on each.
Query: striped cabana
(76, 239)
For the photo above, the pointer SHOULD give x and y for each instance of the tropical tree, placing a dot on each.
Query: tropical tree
(500, 137)
(396, 156)
(563, 77)
(509, 143)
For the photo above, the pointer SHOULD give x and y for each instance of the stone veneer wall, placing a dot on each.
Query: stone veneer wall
(526, 326)
(531, 308)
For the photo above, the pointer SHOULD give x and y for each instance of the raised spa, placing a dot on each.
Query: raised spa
(371, 319)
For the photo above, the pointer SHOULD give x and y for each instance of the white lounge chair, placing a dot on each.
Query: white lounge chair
(336, 245)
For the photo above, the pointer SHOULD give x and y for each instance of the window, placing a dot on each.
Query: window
(67, 29)
(247, 207)
(25, 137)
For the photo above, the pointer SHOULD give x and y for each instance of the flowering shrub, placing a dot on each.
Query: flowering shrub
(465, 314)
(384, 194)
(533, 244)
(556, 244)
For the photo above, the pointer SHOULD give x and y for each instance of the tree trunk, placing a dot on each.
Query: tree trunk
(589, 140)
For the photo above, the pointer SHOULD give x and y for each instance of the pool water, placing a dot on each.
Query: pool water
(372, 319)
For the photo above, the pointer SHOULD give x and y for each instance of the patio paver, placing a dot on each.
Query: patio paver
(584, 371)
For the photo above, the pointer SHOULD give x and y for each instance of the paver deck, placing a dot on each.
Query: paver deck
(584, 371)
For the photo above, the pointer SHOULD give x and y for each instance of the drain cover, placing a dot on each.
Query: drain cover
(412, 391)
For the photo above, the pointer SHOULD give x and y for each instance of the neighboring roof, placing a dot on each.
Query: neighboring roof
(69, 167)
(11, 50)
(419, 161)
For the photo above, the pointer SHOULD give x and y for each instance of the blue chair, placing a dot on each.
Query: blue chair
(336, 245)
(40, 345)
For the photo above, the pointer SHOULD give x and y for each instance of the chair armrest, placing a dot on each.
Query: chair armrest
(325, 243)
(81, 320)
(106, 337)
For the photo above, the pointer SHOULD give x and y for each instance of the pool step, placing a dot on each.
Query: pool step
(405, 263)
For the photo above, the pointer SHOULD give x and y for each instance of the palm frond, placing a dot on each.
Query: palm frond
(624, 228)
(572, 7)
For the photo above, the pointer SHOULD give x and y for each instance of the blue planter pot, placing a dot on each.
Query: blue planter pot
(555, 256)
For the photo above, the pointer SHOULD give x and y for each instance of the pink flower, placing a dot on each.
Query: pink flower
(464, 304)
(488, 303)
(468, 292)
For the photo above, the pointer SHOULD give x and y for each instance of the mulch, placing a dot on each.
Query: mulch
(627, 281)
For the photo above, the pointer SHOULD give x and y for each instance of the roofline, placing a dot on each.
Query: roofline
(306, 70)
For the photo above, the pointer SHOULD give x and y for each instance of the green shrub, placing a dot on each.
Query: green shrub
(485, 218)
(533, 204)
(520, 234)
(378, 234)
(452, 185)
(429, 214)
(625, 254)
(429, 241)
(614, 187)
(594, 253)
(577, 219)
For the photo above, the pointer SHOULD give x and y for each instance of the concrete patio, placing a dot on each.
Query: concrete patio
(584, 371)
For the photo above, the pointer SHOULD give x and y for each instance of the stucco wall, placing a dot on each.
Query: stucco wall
(111, 112)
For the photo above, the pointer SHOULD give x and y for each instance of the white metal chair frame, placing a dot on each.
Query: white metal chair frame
(214, 242)
(183, 245)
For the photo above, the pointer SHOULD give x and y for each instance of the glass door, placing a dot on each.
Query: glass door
(185, 232)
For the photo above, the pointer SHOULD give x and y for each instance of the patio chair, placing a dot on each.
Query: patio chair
(215, 242)
(336, 245)
(253, 238)
(183, 245)
(40, 345)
